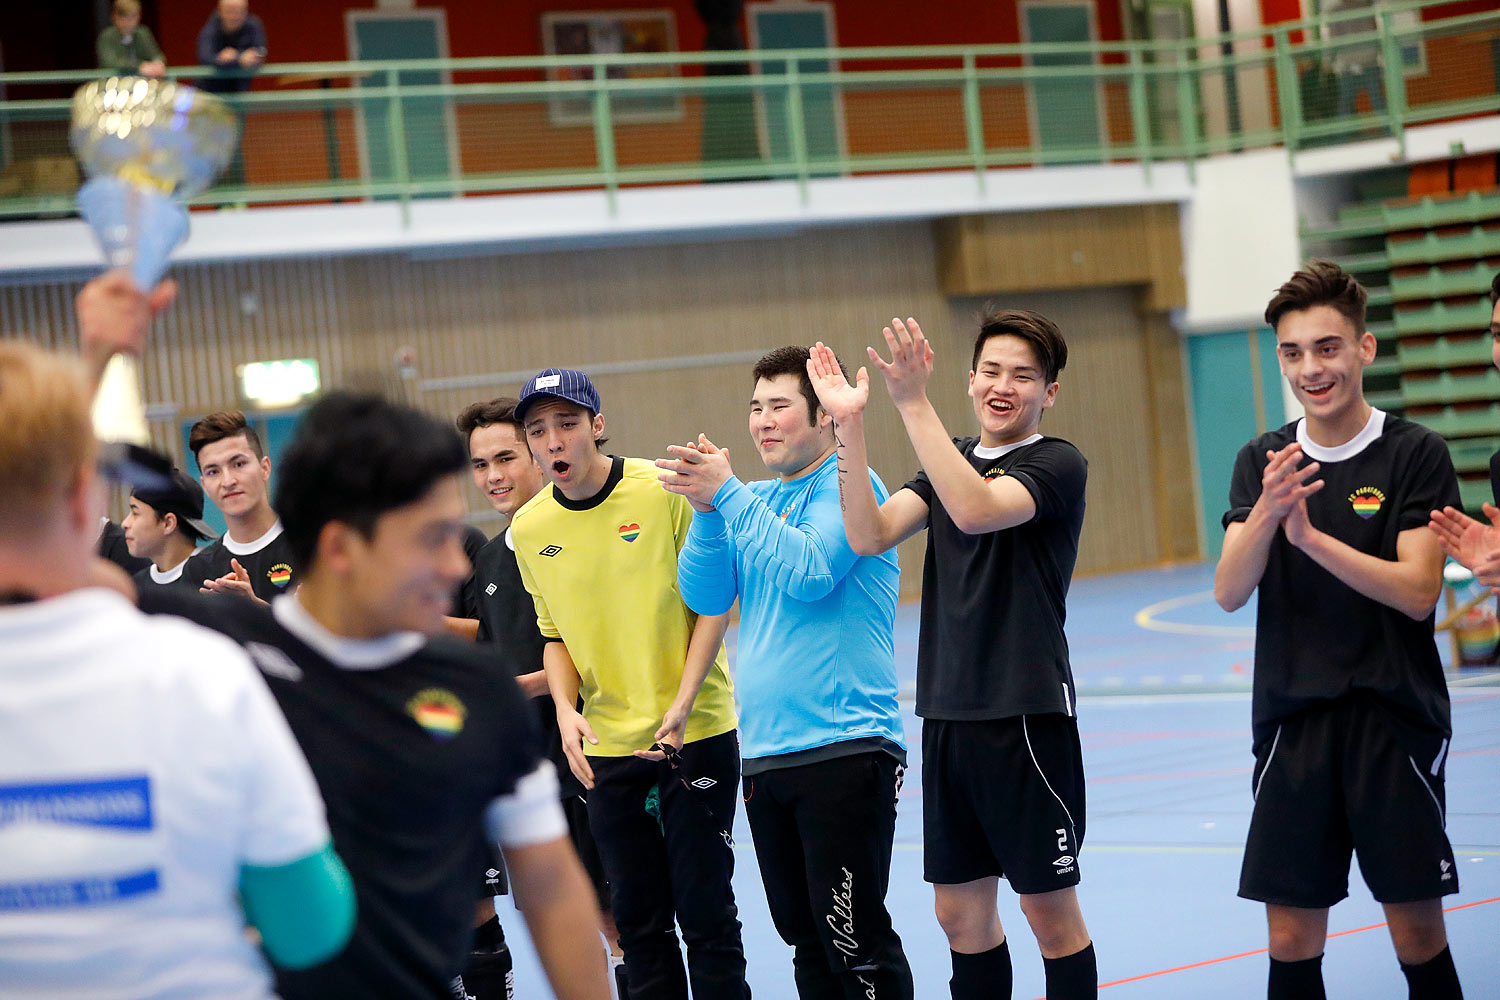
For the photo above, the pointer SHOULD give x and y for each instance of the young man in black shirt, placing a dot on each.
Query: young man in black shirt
(165, 526)
(1477, 545)
(424, 750)
(505, 617)
(994, 684)
(252, 559)
(1328, 520)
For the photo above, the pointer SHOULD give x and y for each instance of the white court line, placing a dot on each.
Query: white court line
(1146, 619)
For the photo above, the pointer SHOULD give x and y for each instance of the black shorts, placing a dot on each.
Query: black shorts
(1003, 797)
(495, 882)
(1332, 781)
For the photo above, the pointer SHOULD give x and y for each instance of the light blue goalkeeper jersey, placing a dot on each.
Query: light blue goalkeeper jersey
(815, 662)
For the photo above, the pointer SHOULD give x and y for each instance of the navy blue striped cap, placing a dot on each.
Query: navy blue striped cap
(558, 383)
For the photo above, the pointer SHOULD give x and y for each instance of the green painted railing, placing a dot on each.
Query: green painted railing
(318, 132)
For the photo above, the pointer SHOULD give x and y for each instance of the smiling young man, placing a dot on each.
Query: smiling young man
(994, 685)
(165, 525)
(505, 472)
(823, 749)
(655, 745)
(1328, 520)
(251, 559)
(423, 747)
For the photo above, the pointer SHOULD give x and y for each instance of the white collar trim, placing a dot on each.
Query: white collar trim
(1339, 453)
(351, 654)
(170, 576)
(250, 548)
(980, 451)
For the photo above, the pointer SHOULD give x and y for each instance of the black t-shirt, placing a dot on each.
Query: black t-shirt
(464, 600)
(112, 547)
(145, 581)
(1316, 638)
(270, 566)
(993, 605)
(508, 632)
(408, 757)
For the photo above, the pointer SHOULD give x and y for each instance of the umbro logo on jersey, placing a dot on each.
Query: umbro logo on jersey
(550, 550)
(273, 661)
(703, 784)
(490, 590)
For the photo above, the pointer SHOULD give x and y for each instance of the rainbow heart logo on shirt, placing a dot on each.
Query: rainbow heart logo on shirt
(438, 711)
(280, 575)
(630, 532)
(1366, 501)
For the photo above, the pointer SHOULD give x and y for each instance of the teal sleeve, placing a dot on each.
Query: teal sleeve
(304, 910)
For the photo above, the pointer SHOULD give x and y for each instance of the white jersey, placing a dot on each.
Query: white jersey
(143, 762)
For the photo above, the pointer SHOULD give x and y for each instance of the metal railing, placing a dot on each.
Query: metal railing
(316, 132)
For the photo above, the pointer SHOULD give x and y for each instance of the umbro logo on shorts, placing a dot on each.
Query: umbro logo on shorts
(704, 783)
(490, 590)
(492, 873)
(550, 550)
(1064, 861)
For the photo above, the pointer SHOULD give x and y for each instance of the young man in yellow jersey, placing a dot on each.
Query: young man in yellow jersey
(655, 745)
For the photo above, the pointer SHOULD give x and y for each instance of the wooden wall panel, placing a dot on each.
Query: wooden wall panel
(1067, 248)
(480, 317)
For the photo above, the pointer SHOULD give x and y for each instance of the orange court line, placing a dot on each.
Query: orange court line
(1262, 951)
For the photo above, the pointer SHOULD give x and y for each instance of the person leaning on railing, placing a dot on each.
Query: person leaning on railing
(233, 41)
(127, 45)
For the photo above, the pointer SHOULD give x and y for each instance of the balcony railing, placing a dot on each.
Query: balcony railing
(319, 132)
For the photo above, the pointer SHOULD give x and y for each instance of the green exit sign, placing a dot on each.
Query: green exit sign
(269, 385)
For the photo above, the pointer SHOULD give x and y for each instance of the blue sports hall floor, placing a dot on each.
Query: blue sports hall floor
(1164, 710)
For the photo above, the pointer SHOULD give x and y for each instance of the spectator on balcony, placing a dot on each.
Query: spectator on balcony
(1356, 62)
(234, 42)
(127, 46)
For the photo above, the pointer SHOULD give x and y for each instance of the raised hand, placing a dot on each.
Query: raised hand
(910, 366)
(839, 399)
(695, 471)
(1283, 485)
(115, 317)
(1474, 544)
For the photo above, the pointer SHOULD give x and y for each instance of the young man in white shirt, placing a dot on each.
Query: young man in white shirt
(149, 808)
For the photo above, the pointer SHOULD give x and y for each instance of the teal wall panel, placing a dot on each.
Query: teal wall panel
(1226, 373)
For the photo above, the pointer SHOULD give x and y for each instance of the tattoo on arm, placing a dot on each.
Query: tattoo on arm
(842, 465)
